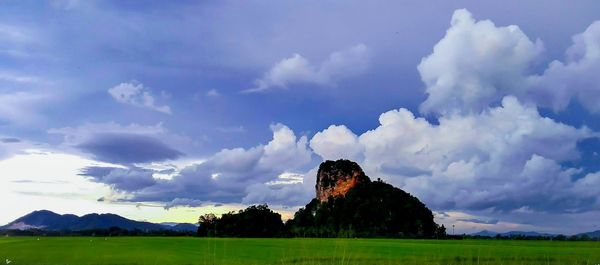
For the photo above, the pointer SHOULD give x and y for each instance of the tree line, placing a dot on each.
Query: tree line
(369, 209)
(259, 221)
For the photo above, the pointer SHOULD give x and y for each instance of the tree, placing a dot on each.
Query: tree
(440, 232)
(206, 224)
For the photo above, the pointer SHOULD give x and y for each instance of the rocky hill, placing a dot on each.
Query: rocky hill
(349, 204)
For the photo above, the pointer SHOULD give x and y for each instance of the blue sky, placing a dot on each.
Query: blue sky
(166, 110)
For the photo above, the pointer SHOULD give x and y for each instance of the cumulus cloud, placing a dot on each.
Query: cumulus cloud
(503, 158)
(136, 94)
(230, 175)
(336, 142)
(294, 194)
(112, 142)
(475, 65)
(288, 189)
(577, 78)
(489, 151)
(481, 156)
(297, 69)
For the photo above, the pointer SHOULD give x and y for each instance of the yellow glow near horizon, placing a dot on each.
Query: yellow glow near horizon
(41, 180)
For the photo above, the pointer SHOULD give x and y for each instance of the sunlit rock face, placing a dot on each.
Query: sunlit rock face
(336, 178)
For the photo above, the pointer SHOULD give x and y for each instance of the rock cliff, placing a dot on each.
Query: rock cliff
(336, 178)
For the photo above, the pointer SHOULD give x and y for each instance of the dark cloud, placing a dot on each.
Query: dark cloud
(225, 177)
(10, 140)
(121, 179)
(480, 221)
(128, 148)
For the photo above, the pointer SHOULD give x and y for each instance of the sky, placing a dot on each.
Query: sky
(165, 110)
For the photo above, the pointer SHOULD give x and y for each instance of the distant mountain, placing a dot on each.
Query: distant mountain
(594, 234)
(485, 233)
(184, 227)
(47, 220)
(169, 223)
(526, 233)
(180, 227)
(511, 233)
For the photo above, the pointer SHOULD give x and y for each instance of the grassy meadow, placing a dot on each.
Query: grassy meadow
(226, 251)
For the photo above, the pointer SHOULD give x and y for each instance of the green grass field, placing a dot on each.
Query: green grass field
(148, 250)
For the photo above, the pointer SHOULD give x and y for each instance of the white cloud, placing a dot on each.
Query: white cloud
(481, 156)
(297, 69)
(476, 64)
(225, 176)
(336, 142)
(288, 189)
(588, 186)
(137, 95)
(280, 194)
(505, 158)
(577, 78)
(54, 184)
(54, 176)
(285, 151)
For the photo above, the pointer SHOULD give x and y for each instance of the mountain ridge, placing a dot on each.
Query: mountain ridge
(51, 221)
(488, 233)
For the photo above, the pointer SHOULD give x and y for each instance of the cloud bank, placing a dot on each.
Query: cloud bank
(229, 176)
(504, 158)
